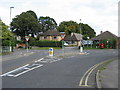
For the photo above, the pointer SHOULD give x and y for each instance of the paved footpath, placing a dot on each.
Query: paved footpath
(16, 54)
(109, 76)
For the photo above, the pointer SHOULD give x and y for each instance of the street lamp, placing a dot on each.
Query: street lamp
(81, 48)
(11, 48)
(11, 12)
(88, 41)
(80, 27)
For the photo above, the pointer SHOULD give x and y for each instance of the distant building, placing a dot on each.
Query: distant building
(73, 39)
(50, 35)
(105, 36)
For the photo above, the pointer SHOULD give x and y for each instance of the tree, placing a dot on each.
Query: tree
(25, 24)
(6, 36)
(33, 14)
(87, 31)
(47, 23)
(68, 27)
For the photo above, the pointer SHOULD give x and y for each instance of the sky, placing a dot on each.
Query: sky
(101, 15)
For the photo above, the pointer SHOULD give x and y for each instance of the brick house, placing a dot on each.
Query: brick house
(73, 39)
(50, 35)
(105, 36)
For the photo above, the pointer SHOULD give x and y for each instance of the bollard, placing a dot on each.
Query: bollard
(81, 49)
(50, 51)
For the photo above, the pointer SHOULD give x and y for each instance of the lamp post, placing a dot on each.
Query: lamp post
(11, 48)
(81, 48)
(11, 12)
(88, 41)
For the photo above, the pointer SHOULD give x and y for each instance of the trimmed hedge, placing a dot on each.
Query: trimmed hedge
(46, 43)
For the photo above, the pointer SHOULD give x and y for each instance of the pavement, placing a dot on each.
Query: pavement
(108, 78)
(16, 54)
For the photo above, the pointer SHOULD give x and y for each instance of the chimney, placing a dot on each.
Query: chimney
(101, 32)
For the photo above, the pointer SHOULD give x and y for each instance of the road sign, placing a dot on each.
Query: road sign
(62, 36)
(27, 38)
(50, 51)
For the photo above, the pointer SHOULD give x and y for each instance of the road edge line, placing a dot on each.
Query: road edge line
(99, 85)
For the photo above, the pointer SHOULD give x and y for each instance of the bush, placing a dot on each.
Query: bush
(109, 43)
(8, 43)
(46, 43)
(32, 41)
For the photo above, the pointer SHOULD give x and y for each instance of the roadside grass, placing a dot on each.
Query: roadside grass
(4, 53)
(94, 48)
(45, 48)
(104, 65)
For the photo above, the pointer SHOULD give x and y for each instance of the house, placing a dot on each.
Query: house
(73, 39)
(105, 36)
(118, 43)
(50, 35)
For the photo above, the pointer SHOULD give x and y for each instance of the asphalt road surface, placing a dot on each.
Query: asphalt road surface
(37, 71)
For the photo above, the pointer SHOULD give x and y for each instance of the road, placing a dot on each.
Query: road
(61, 72)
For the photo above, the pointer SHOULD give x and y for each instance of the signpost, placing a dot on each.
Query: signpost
(27, 39)
(62, 36)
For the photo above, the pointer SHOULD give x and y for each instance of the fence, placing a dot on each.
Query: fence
(4, 49)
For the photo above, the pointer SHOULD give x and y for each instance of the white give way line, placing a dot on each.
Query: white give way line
(21, 70)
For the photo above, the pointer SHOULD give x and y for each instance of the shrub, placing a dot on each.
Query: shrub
(45, 43)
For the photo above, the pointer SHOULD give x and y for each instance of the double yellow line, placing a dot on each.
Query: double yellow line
(84, 79)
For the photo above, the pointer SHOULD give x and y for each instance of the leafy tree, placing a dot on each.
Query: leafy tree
(87, 31)
(25, 24)
(47, 23)
(33, 14)
(68, 27)
(6, 36)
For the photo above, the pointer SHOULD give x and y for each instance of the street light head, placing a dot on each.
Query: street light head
(11, 7)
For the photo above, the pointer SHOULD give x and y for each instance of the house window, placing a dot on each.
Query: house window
(54, 37)
(45, 37)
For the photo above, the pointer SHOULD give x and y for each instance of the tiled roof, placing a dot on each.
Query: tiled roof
(51, 33)
(77, 36)
(104, 35)
(68, 38)
(73, 37)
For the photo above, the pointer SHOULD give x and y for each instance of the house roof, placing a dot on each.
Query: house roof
(51, 33)
(68, 38)
(73, 37)
(104, 35)
(76, 36)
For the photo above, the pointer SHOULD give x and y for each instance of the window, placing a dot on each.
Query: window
(45, 37)
(54, 37)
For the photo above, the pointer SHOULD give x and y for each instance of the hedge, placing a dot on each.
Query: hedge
(46, 43)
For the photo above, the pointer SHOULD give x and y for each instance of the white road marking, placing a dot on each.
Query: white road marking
(23, 67)
(88, 72)
(14, 70)
(27, 70)
(39, 60)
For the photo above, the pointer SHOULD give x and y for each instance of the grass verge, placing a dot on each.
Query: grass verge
(4, 53)
(45, 48)
(104, 65)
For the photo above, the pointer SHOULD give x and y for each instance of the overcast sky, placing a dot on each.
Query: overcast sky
(101, 15)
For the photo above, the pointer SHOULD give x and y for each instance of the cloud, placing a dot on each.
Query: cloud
(99, 14)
